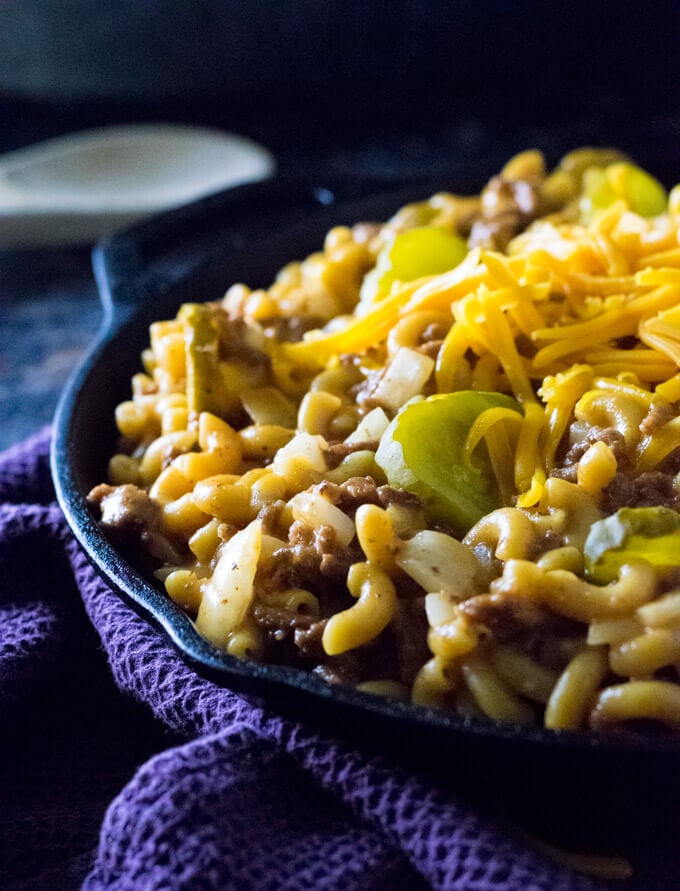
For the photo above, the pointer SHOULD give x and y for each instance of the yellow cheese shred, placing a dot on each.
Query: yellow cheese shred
(569, 305)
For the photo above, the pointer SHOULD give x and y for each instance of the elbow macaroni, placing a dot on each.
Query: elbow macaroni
(295, 548)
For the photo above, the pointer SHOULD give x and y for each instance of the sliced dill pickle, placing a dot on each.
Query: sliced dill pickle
(651, 534)
(423, 452)
(426, 250)
(602, 186)
(205, 391)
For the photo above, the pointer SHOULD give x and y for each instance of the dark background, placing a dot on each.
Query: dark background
(386, 90)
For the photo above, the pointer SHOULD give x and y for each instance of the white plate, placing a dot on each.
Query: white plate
(76, 188)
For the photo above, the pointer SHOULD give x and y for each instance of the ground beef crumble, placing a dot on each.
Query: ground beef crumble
(131, 518)
(539, 632)
(646, 490)
(508, 206)
(313, 560)
(626, 490)
(358, 490)
(658, 415)
(610, 436)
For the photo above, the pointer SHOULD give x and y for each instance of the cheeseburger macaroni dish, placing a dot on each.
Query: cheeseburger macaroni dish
(440, 458)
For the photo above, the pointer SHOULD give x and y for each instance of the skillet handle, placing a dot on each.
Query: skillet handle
(153, 256)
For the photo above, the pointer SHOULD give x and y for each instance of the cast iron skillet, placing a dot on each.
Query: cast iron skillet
(581, 780)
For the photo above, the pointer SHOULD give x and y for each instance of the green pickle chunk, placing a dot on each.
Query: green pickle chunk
(422, 451)
(633, 534)
(205, 391)
(426, 250)
(621, 182)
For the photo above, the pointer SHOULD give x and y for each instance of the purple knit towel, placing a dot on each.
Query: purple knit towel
(239, 798)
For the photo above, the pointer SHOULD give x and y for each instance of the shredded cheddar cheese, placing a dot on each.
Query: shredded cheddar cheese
(560, 301)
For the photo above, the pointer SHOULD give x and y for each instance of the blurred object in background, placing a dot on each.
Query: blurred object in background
(77, 188)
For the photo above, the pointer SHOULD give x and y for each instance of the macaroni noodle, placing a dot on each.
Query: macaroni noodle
(437, 459)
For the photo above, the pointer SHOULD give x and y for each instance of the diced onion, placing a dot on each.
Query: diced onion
(314, 510)
(438, 562)
(229, 592)
(405, 377)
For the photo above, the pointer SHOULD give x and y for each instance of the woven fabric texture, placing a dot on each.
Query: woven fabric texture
(233, 796)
